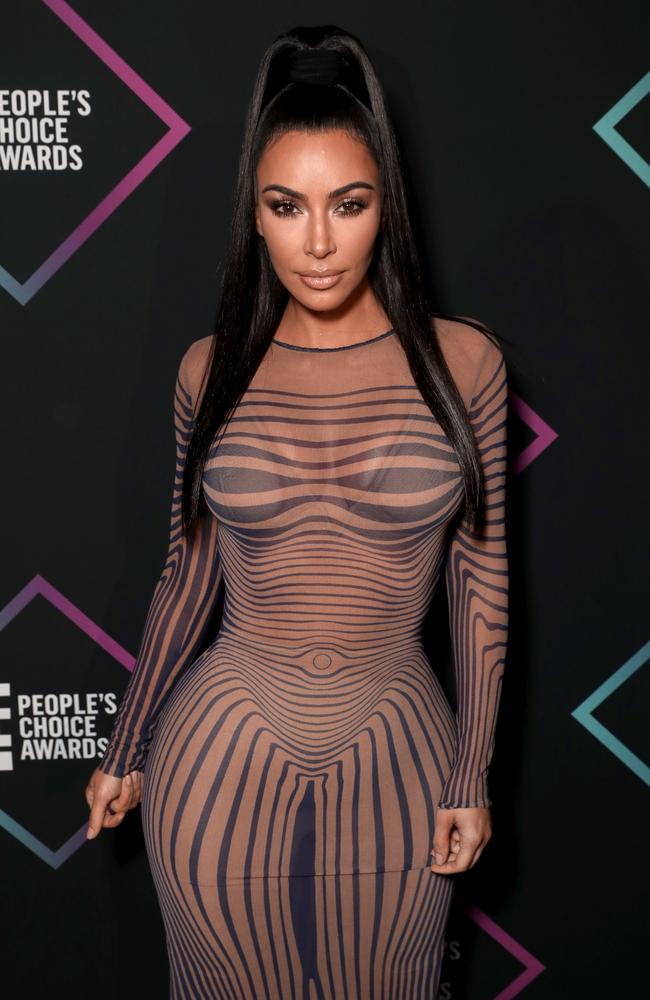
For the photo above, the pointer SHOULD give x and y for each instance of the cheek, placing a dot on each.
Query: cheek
(359, 241)
(280, 242)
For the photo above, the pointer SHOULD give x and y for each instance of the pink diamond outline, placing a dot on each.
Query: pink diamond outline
(39, 585)
(178, 129)
(532, 966)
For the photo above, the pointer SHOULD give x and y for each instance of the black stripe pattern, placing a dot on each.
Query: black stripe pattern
(293, 769)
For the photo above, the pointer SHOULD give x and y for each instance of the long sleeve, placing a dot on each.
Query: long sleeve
(180, 610)
(477, 591)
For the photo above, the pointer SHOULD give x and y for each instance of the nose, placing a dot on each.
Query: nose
(319, 240)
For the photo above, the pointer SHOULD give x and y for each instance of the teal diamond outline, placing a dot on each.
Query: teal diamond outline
(583, 714)
(605, 127)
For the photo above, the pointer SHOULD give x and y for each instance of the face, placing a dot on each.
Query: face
(318, 208)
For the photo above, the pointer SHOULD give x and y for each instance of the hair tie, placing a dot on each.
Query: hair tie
(316, 66)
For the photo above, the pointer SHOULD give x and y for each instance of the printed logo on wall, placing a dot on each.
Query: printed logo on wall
(56, 713)
(64, 167)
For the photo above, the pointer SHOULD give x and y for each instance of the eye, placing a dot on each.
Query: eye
(275, 207)
(285, 209)
(353, 206)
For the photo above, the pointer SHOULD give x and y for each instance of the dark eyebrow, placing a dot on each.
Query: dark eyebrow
(332, 194)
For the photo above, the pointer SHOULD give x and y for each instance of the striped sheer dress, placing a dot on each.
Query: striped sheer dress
(293, 769)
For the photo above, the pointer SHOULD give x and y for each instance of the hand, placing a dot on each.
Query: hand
(460, 836)
(109, 798)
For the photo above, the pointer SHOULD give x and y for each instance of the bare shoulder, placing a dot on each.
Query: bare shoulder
(468, 349)
(194, 365)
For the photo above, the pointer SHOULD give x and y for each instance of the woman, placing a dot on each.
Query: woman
(306, 789)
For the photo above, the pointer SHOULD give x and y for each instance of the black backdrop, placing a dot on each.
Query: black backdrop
(524, 129)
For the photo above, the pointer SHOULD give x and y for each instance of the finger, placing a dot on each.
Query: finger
(477, 854)
(112, 818)
(119, 806)
(96, 819)
(480, 842)
(441, 839)
(461, 861)
(107, 812)
(136, 787)
(122, 802)
(116, 811)
(137, 795)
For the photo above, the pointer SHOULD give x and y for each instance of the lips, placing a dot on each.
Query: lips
(315, 280)
(321, 272)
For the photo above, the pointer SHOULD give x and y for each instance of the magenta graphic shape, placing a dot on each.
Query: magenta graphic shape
(545, 433)
(532, 966)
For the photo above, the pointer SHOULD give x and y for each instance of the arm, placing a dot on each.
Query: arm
(183, 600)
(477, 591)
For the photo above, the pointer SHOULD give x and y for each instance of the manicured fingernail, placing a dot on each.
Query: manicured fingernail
(90, 833)
(438, 859)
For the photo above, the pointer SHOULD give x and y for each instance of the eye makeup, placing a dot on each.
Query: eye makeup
(351, 206)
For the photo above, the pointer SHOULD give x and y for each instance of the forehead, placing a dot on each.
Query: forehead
(330, 159)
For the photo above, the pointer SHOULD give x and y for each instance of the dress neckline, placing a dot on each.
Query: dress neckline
(343, 347)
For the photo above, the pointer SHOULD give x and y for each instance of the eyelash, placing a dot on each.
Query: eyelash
(358, 203)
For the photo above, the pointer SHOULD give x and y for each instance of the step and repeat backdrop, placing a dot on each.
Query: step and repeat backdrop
(524, 130)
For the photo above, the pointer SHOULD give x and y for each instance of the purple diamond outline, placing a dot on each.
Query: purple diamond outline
(532, 966)
(177, 130)
(38, 585)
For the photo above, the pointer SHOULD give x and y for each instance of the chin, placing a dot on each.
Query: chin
(318, 299)
(318, 302)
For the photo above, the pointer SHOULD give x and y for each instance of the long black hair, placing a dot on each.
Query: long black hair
(252, 297)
